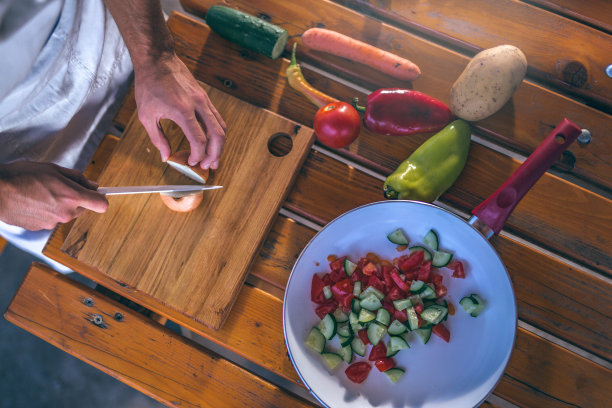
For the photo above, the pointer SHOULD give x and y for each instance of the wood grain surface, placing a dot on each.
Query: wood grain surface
(194, 262)
(135, 349)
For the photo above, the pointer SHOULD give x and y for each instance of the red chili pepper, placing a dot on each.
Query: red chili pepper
(399, 112)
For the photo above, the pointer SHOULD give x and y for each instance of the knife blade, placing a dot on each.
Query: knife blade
(155, 189)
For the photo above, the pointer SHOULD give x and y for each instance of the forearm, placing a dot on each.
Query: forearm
(144, 30)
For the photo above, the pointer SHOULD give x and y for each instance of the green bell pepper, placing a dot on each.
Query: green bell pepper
(433, 167)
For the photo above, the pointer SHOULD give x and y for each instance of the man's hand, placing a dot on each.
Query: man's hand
(167, 90)
(164, 87)
(37, 196)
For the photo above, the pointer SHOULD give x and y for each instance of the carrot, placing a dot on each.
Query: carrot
(332, 42)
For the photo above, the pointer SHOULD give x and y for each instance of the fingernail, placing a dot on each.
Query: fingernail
(164, 157)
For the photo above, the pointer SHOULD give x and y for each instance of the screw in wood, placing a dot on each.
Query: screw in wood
(585, 137)
(118, 316)
(609, 70)
(88, 302)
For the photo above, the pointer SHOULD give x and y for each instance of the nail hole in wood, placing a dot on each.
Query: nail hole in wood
(280, 144)
(118, 316)
(88, 302)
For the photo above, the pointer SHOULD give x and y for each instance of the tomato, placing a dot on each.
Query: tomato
(344, 287)
(370, 269)
(407, 262)
(400, 315)
(363, 335)
(378, 352)
(386, 273)
(442, 332)
(457, 268)
(384, 364)
(376, 283)
(419, 308)
(358, 372)
(337, 264)
(395, 294)
(326, 308)
(316, 289)
(337, 124)
(403, 286)
(423, 271)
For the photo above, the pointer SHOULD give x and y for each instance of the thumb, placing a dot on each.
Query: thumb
(92, 200)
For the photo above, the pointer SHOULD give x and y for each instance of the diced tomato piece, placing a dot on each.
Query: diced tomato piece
(388, 305)
(395, 294)
(384, 364)
(419, 308)
(345, 302)
(420, 321)
(423, 273)
(337, 275)
(400, 283)
(316, 289)
(363, 335)
(358, 372)
(357, 275)
(386, 273)
(327, 280)
(457, 268)
(407, 262)
(441, 291)
(401, 315)
(370, 269)
(345, 286)
(378, 352)
(376, 283)
(326, 308)
(441, 331)
(436, 279)
(337, 264)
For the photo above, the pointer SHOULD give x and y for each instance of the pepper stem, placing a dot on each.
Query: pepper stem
(293, 60)
(359, 108)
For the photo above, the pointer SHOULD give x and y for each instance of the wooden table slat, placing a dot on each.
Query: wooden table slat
(134, 349)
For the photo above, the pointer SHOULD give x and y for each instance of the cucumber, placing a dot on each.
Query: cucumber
(315, 340)
(372, 290)
(413, 320)
(347, 353)
(358, 347)
(376, 332)
(349, 267)
(441, 259)
(398, 237)
(345, 340)
(328, 326)
(370, 302)
(340, 316)
(366, 316)
(431, 240)
(402, 304)
(434, 314)
(396, 327)
(248, 31)
(344, 330)
(357, 289)
(327, 292)
(355, 307)
(383, 316)
(417, 286)
(427, 254)
(331, 360)
(396, 343)
(428, 293)
(424, 334)
(394, 374)
(472, 304)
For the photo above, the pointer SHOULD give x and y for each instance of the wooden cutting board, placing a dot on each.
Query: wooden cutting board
(193, 262)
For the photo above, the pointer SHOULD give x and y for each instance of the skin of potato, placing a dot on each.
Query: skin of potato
(488, 82)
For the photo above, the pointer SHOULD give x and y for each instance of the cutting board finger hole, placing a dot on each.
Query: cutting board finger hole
(280, 144)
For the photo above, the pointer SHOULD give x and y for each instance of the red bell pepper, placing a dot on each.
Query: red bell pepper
(399, 112)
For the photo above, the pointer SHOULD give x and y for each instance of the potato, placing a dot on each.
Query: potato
(488, 82)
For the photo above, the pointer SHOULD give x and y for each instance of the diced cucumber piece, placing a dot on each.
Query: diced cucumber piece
(413, 320)
(441, 259)
(358, 347)
(340, 316)
(327, 292)
(428, 293)
(431, 240)
(353, 318)
(424, 333)
(417, 286)
(434, 314)
(331, 360)
(355, 306)
(398, 237)
(366, 316)
(472, 304)
(394, 374)
(346, 352)
(395, 344)
(383, 316)
(370, 302)
(396, 327)
(426, 256)
(344, 330)
(402, 304)
(328, 326)
(349, 267)
(345, 340)
(357, 289)
(315, 340)
(376, 332)
(416, 300)
(371, 290)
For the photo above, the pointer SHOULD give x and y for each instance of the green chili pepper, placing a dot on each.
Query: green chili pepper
(433, 167)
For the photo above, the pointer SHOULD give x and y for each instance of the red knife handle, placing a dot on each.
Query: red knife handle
(496, 209)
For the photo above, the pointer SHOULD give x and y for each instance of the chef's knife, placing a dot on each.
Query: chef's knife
(171, 189)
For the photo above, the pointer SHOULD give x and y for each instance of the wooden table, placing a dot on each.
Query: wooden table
(557, 245)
